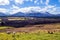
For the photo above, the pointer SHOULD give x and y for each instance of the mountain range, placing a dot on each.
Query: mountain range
(2, 14)
(33, 14)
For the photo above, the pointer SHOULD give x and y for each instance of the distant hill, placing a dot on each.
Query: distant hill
(2, 14)
(19, 14)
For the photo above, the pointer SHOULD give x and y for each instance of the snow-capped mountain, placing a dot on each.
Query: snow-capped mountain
(36, 14)
(32, 14)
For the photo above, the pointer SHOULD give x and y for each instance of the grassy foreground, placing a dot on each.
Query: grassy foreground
(30, 36)
(3, 27)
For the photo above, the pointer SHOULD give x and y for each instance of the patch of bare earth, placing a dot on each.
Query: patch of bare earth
(32, 28)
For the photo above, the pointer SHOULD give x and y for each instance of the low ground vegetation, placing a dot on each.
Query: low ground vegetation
(30, 36)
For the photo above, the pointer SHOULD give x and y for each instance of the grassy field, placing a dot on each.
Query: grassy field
(30, 36)
(38, 34)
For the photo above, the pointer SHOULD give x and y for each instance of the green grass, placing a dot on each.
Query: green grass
(30, 36)
(3, 27)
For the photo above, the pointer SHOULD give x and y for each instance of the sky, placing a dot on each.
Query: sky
(26, 6)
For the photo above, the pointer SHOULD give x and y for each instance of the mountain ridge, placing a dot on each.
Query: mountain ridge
(32, 14)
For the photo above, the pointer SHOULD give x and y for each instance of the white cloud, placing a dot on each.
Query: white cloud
(19, 1)
(31, 9)
(46, 9)
(41, 1)
(49, 8)
(57, 10)
(47, 2)
(3, 10)
(35, 1)
(53, 10)
(14, 9)
(26, 9)
(4, 2)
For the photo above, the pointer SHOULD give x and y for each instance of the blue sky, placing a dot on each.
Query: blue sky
(14, 6)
